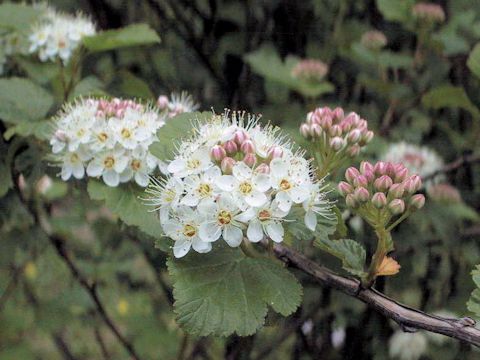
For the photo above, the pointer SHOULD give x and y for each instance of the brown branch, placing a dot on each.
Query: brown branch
(454, 165)
(408, 318)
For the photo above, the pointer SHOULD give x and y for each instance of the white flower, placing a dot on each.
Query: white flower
(191, 164)
(247, 187)
(140, 165)
(316, 204)
(184, 230)
(264, 220)
(221, 219)
(407, 346)
(290, 185)
(109, 165)
(73, 164)
(164, 196)
(125, 133)
(201, 187)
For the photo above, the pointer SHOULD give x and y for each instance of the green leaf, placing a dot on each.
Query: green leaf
(394, 60)
(125, 202)
(88, 86)
(395, 10)
(473, 61)
(14, 107)
(17, 17)
(223, 292)
(177, 128)
(473, 303)
(350, 252)
(451, 97)
(131, 85)
(132, 35)
(41, 129)
(40, 72)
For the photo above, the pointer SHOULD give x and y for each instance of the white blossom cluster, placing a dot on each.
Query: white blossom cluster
(57, 35)
(233, 180)
(418, 160)
(178, 103)
(107, 139)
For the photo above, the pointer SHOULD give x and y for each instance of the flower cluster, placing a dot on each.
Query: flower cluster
(233, 180)
(428, 12)
(310, 70)
(107, 138)
(374, 40)
(177, 104)
(418, 160)
(379, 192)
(57, 35)
(337, 135)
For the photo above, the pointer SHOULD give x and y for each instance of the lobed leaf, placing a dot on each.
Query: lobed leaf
(350, 252)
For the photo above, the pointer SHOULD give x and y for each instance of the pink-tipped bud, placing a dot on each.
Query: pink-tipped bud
(367, 137)
(351, 173)
(60, 135)
(344, 188)
(247, 147)
(369, 175)
(275, 152)
(263, 169)
(379, 168)
(250, 159)
(305, 130)
(44, 184)
(162, 102)
(315, 131)
(365, 166)
(396, 206)
(227, 165)
(412, 184)
(379, 200)
(240, 136)
(360, 180)
(353, 150)
(396, 191)
(335, 130)
(354, 136)
(417, 201)
(383, 183)
(337, 143)
(417, 182)
(390, 170)
(361, 195)
(218, 153)
(401, 174)
(350, 201)
(230, 147)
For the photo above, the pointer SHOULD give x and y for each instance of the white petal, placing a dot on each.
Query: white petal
(66, 173)
(141, 179)
(212, 173)
(255, 231)
(275, 231)
(181, 248)
(299, 193)
(190, 200)
(111, 178)
(283, 200)
(208, 208)
(78, 171)
(226, 182)
(261, 182)
(126, 175)
(121, 163)
(94, 169)
(311, 220)
(241, 171)
(176, 165)
(278, 168)
(210, 231)
(201, 246)
(256, 198)
(232, 235)
(246, 216)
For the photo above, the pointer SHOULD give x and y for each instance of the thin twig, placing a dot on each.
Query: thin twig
(408, 318)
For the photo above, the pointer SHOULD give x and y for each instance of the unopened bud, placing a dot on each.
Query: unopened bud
(351, 173)
(247, 147)
(335, 130)
(353, 150)
(227, 165)
(230, 147)
(337, 143)
(354, 136)
(379, 168)
(369, 175)
(162, 102)
(417, 201)
(383, 183)
(275, 152)
(360, 180)
(250, 159)
(315, 130)
(401, 174)
(367, 137)
(240, 136)
(396, 191)
(365, 166)
(344, 188)
(305, 130)
(350, 201)
(379, 200)
(263, 169)
(361, 195)
(218, 152)
(61, 135)
(396, 206)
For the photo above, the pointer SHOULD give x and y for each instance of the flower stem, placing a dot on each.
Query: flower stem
(383, 247)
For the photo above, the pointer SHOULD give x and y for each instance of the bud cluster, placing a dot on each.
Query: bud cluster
(379, 192)
(310, 70)
(374, 40)
(337, 135)
(428, 12)
(177, 104)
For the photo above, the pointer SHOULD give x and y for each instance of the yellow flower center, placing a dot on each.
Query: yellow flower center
(285, 185)
(204, 189)
(109, 162)
(74, 158)
(264, 215)
(189, 230)
(169, 195)
(245, 188)
(135, 164)
(126, 133)
(193, 164)
(102, 137)
(80, 132)
(224, 217)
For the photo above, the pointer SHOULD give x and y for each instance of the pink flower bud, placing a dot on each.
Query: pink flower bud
(396, 191)
(240, 136)
(230, 147)
(326, 123)
(360, 180)
(250, 159)
(379, 200)
(275, 152)
(417, 182)
(390, 169)
(417, 201)
(335, 130)
(350, 201)
(305, 130)
(315, 130)
(361, 195)
(353, 150)
(379, 168)
(227, 165)
(412, 184)
(365, 166)
(396, 206)
(344, 188)
(310, 117)
(61, 135)
(218, 152)
(338, 113)
(354, 136)
(247, 147)
(369, 175)
(367, 137)
(263, 169)
(337, 143)
(162, 102)
(383, 183)
(401, 174)
(351, 173)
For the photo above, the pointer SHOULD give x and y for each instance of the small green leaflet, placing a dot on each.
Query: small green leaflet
(17, 17)
(350, 252)
(132, 35)
(124, 201)
(451, 97)
(473, 61)
(225, 292)
(473, 304)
